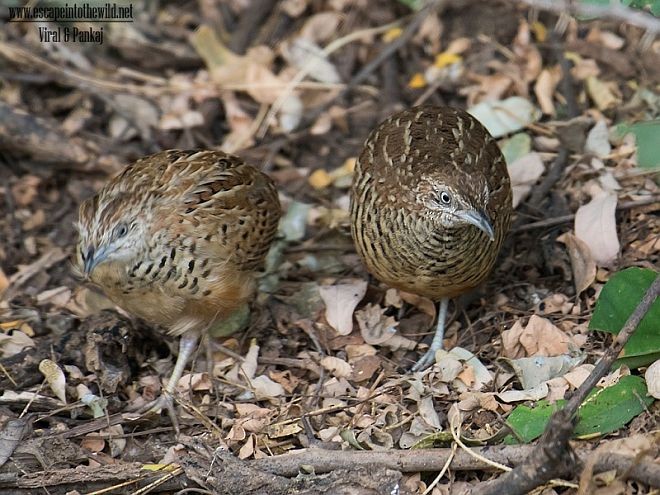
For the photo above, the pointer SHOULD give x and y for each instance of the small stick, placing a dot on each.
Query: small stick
(551, 222)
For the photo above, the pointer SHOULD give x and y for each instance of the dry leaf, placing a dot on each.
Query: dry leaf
(539, 338)
(582, 262)
(544, 89)
(265, 388)
(597, 142)
(12, 344)
(601, 93)
(375, 327)
(340, 302)
(25, 189)
(321, 27)
(652, 377)
(193, 381)
(319, 179)
(428, 413)
(337, 367)
(424, 304)
(55, 378)
(595, 224)
(93, 442)
(364, 368)
(524, 172)
(4, 282)
(306, 55)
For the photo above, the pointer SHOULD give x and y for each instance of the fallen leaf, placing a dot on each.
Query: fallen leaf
(337, 367)
(13, 343)
(544, 89)
(375, 326)
(323, 26)
(601, 93)
(582, 262)
(538, 338)
(417, 81)
(192, 382)
(25, 189)
(320, 179)
(340, 302)
(524, 173)
(595, 225)
(4, 282)
(652, 377)
(597, 141)
(505, 116)
(364, 368)
(265, 388)
(55, 378)
(306, 55)
(428, 413)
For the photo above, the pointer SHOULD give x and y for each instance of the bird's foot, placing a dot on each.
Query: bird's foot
(165, 401)
(425, 361)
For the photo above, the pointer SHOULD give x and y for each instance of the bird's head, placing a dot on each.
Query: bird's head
(110, 229)
(455, 200)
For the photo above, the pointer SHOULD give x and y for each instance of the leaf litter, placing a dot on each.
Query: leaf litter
(325, 336)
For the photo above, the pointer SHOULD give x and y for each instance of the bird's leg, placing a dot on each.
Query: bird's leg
(428, 358)
(187, 346)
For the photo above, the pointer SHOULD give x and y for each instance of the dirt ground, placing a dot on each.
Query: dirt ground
(233, 76)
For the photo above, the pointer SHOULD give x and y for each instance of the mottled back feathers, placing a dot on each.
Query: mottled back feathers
(407, 166)
(198, 224)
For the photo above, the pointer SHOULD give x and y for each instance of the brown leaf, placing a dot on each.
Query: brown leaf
(340, 302)
(539, 338)
(595, 225)
(582, 262)
(375, 327)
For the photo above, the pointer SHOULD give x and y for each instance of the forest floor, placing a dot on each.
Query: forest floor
(320, 371)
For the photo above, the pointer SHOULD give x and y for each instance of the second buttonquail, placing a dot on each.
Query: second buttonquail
(430, 205)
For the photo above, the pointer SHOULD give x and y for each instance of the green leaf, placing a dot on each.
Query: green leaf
(528, 423)
(609, 409)
(412, 4)
(605, 410)
(618, 299)
(653, 6)
(516, 146)
(599, 3)
(647, 139)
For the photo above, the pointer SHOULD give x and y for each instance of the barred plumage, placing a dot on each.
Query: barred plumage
(430, 203)
(176, 237)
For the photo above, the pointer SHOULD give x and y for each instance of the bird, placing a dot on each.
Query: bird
(175, 239)
(430, 206)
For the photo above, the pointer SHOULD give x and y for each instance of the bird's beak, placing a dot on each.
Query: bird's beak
(91, 258)
(480, 220)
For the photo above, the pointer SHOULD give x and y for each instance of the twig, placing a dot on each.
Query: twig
(566, 79)
(410, 30)
(392, 47)
(309, 66)
(426, 460)
(553, 457)
(614, 11)
(249, 22)
(551, 222)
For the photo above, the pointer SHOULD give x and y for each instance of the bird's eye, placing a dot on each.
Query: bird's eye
(445, 198)
(121, 230)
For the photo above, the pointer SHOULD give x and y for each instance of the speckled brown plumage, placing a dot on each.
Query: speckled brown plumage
(430, 203)
(176, 237)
